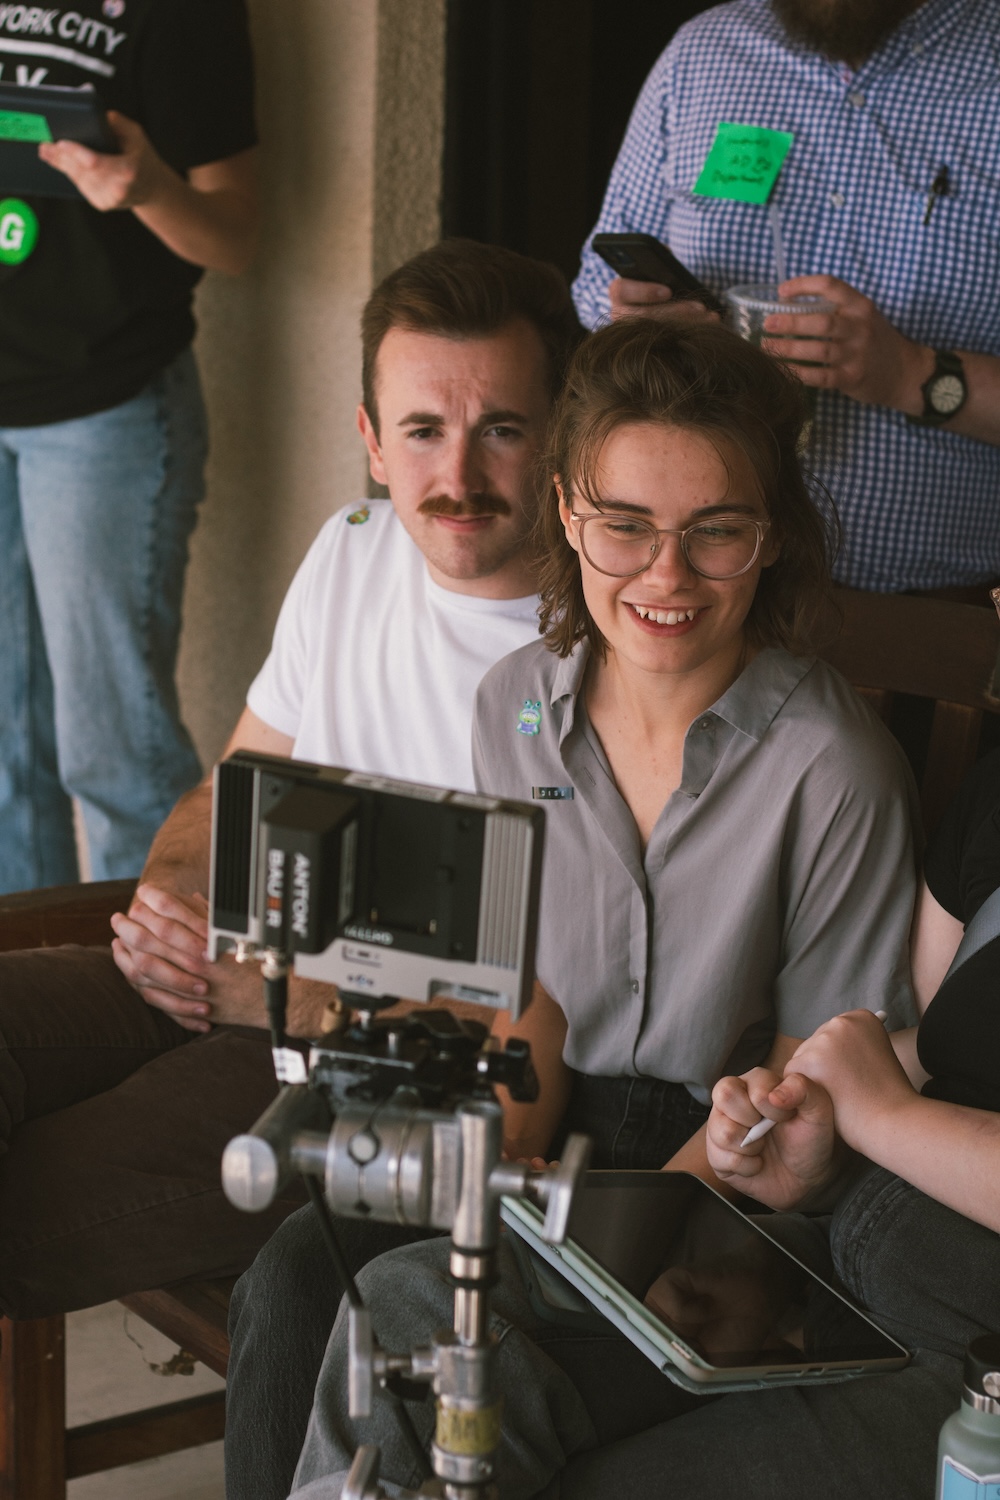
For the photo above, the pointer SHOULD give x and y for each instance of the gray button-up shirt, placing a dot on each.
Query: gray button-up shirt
(776, 889)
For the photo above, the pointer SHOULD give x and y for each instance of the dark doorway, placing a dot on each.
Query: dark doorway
(539, 93)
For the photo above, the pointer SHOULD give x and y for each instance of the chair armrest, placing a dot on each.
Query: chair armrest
(62, 914)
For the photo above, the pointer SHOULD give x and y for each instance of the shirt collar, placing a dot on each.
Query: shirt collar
(749, 705)
(568, 675)
(916, 33)
(760, 691)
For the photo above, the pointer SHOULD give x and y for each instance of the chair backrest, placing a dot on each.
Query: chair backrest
(62, 914)
(892, 644)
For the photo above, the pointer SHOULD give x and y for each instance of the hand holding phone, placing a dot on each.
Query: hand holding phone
(641, 257)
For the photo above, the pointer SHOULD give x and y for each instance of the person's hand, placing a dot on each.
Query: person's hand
(859, 351)
(796, 1159)
(650, 299)
(110, 182)
(852, 1058)
(159, 946)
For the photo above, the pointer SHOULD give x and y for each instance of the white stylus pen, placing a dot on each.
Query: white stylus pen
(759, 1131)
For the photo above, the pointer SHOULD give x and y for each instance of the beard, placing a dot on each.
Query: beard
(844, 30)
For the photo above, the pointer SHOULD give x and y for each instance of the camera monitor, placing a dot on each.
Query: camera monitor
(387, 889)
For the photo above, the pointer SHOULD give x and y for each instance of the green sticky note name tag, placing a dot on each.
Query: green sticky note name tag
(15, 126)
(743, 163)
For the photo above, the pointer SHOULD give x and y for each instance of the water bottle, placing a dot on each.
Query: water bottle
(969, 1450)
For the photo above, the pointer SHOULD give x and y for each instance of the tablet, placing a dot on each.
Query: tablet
(735, 1310)
(29, 116)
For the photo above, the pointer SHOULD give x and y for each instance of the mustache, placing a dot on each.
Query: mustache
(485, 504)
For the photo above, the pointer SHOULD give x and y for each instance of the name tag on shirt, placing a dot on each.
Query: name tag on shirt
(743, 163)
(552, 793)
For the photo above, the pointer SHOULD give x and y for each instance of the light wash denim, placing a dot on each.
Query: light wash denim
(95, 516)
(583, 1422)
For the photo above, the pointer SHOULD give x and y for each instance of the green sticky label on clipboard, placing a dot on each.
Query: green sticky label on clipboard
(743, 163)
(16, 126)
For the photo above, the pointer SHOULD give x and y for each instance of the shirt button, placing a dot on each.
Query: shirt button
(837, 199)
(858, 99)
(635, 986)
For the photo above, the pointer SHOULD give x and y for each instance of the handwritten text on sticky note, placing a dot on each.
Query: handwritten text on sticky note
(743, 163)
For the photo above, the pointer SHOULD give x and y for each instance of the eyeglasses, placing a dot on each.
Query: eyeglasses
(621, 546)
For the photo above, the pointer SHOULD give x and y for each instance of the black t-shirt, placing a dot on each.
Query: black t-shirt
(101, 304)
(959, 1038)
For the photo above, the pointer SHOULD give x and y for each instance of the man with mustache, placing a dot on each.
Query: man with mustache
(123, 1076)
(889, 202)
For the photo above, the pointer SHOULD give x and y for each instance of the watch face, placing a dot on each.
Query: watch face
(946, 394)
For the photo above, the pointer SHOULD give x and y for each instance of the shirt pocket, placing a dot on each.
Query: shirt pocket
(945, 269)
(723, 241)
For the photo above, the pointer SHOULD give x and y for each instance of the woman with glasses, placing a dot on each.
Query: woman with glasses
(728, 858)
(727, 827)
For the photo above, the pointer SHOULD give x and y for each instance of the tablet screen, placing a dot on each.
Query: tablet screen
(718, 1282)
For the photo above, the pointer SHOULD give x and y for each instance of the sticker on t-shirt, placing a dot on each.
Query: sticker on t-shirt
(743, 163)
(17, 125)
(18, 231)
(113, 9)
(960, 1483)
(360, 516)
(530, 717)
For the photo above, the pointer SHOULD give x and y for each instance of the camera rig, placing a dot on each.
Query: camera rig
(389, 890)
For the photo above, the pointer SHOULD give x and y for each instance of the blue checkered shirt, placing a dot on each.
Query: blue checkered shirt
(920, 507)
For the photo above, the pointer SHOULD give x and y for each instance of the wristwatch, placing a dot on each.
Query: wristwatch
(945, 391)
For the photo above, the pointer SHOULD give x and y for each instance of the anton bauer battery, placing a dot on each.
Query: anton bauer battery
(388, 889)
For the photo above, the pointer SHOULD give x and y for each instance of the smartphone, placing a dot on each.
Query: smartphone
(642, 257)
(705, 1292)
(29, 115)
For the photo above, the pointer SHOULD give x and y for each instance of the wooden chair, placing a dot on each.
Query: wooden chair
(38, 1454)
(892, 644)
(884, 644)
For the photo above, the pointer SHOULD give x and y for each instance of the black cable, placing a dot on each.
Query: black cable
(411, 1437)
(332, 1243)
(276, 1004)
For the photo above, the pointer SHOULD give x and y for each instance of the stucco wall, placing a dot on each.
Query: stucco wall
(350, 109)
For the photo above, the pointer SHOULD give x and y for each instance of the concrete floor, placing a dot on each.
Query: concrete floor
(106, 1373)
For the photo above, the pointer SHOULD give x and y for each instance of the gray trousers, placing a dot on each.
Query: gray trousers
(283, 1309)
(588, 1417)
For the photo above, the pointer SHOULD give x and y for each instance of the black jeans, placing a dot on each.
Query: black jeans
(284, 1307)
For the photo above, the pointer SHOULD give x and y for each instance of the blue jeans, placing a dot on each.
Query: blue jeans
(95, 516)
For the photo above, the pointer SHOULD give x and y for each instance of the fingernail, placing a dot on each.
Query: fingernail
(200, 989)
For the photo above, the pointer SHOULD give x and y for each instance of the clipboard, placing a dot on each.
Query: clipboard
(29, 116)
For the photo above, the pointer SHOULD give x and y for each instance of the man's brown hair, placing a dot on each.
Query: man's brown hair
(706, 380)
(462, 289)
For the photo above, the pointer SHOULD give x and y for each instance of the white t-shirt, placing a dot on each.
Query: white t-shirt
(374, 666)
